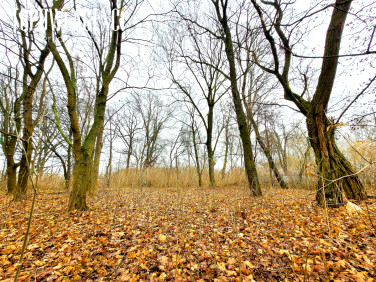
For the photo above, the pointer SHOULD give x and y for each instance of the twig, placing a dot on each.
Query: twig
(34, 185)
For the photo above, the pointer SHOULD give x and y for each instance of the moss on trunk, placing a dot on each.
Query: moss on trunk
(337, 178)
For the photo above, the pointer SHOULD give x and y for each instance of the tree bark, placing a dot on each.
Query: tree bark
(209, 144)
(97, 155)
(336, 175)
(82, 182)
(223, 171)
(11, 172)
(197, 159)
(249, 164)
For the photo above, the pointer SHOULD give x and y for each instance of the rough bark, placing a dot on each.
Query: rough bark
(82, 181)
(249, 164)
(11, 172)
(97, 155)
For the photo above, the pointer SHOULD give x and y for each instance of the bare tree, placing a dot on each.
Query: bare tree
(32, 55)
(108, 55)
(335, 172)
(154, 116)
(194, 53)
(128, 127)
(222, 14)
(10, 105)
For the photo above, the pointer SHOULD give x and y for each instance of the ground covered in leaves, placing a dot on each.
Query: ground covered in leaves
(188, 235)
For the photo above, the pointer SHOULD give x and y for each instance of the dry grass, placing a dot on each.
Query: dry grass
(187, 177)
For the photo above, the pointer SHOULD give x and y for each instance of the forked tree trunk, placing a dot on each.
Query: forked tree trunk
(336, 176)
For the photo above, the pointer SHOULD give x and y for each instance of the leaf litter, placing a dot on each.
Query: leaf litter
(217, 234)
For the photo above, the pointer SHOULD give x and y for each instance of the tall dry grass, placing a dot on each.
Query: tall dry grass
(159, 177)
(187, 178)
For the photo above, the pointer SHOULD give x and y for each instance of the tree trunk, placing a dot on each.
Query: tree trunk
(27, 145)
(303, 166)
(250, 166)
(223, 172)
(97, 155)
(197, 160)
(336, 175)
(267, 153)
(209, 146)
(82, 182)
(24, 171)
(11, 175)
(109, 166)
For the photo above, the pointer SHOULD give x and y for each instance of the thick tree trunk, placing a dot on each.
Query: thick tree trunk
(337, 178)
(82, 182)
(336, 175)
(24, 171)
(9, 146)
(27, 150)
(11, 175)
(97, 155)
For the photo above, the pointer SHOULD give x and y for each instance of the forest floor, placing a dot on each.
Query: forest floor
(187, 235)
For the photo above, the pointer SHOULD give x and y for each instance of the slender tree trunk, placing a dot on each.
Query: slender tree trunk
(109, 167)
(301, 171)
(267, 153)
(197, 160)
(223, 172)
(209, 145)
(250, 166)
(129, 153)
(69, 164)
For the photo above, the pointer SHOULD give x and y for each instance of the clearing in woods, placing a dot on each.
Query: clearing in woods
(187, 235)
